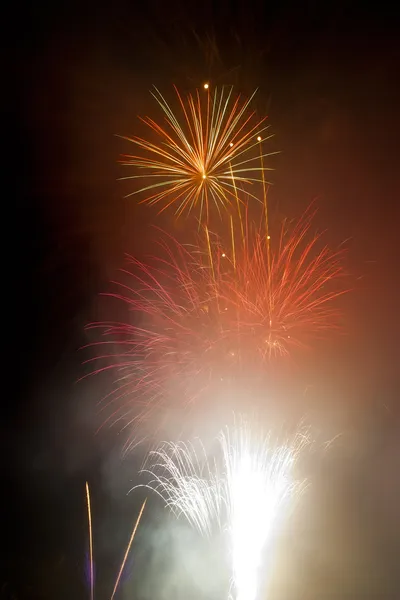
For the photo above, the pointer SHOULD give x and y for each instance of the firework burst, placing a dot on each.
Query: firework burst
(207, 315)
(175, 347)
(200, 155)
(245, 492)
(283, 290)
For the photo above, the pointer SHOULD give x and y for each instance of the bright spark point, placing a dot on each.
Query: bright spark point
(259, 138)
(204, 176)
(268, 237)
(206, 86)
(223, 255)
(231, 144)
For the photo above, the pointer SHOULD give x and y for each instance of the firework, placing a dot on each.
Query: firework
(91, 560)
(283, 289)
(245, 492)
(202, 154)
(260, 483)
(209, 315)
(128, 550)
(89, 510)
(174, 347)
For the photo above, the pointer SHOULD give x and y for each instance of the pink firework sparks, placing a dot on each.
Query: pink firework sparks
(204, 315)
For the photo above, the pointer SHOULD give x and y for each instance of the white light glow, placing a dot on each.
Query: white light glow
(246, 493)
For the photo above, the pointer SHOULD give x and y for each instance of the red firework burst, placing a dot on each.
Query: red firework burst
(176, 341)
(203, 314)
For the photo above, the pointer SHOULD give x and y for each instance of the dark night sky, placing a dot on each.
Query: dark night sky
(328, 78)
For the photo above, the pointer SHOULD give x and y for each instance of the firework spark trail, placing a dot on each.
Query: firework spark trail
(128, 550)
(117, 581)
(208, 313)
(89, 510)
(245, 494)
(202, 155)
(187, 482)
(180, 341)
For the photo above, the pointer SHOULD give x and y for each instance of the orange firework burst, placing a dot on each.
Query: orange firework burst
(283, 291)
(91, 557)
(204, 314)
(201, 154)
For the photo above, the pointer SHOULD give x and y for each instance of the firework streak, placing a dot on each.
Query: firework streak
(246, 491)
(91, 559)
